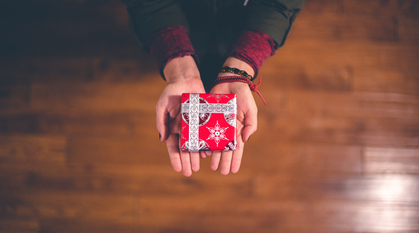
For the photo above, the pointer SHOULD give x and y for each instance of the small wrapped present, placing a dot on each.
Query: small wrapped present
(208, 122)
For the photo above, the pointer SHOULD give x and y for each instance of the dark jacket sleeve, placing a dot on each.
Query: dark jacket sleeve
(273, 17)
(149, 16)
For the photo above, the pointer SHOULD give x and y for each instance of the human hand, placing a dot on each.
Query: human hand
(182, 76)
(246, 119)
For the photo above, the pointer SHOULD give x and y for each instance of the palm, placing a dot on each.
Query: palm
(168, 123)
(246, 125)
(170, 101)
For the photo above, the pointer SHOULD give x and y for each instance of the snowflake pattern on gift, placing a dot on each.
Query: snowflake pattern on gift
(217, 97)
(217, 133)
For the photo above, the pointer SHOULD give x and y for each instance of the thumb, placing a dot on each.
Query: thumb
(250, 125)
(162, 121)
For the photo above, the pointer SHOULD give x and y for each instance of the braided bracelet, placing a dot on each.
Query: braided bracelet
(229, 79)
(226, 69)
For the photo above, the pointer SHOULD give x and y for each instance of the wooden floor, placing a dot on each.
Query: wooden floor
(337, 147)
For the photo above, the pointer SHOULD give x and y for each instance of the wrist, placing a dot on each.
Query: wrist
(234, 85)
(181, 69)
(239, 64)
(233, 82)
(189, 79)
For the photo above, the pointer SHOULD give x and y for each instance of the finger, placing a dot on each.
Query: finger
(203, 154)
(162, 120)
(195, 161)
(186, 163)
(172, 144)
(226, 162)
(237, 156)
(250, 124)
(208, 153)
(215, 161)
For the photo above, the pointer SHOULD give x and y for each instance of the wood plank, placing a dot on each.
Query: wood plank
(312, 76)
(19, 226)
(126, 70)
(114, 124)
(349, 77)
(78, 69)
(161, 180)
(336, 26)
(50, 70)
(76, 98)
(100, 150)
(14, 97)
(63, 225)
(383, 55)
(409, 31)
(122, 150)
(22, 123)
(144, 180)
(388, 188)
(369, 79)
(355, 119)
(321, 6)
(251, 215)
(345, 131)
(43, 204)
(118, 123)
(278, 157)
(390, 160)
(401, 9)
(306, 104)
(33, 148)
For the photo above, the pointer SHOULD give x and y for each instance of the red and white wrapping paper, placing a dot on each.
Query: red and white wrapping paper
(208, 122)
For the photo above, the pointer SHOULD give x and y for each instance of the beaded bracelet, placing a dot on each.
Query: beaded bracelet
(229, 79)
(226, 69)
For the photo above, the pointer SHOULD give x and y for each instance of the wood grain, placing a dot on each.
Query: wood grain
(390, 160)
(32, 148)
(336, 150)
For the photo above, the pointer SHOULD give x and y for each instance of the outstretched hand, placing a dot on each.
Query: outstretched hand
(246, 126)
(182, 76)
(246, 118)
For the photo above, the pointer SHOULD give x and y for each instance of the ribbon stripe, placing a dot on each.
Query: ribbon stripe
(210, 108)
(194, 122)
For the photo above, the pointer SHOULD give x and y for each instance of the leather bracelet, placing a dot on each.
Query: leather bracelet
(226, 69)
(229, 79)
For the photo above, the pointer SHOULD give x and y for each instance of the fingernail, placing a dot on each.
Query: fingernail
(159, 136)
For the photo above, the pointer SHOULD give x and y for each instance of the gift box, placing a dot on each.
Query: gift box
(208, 122)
